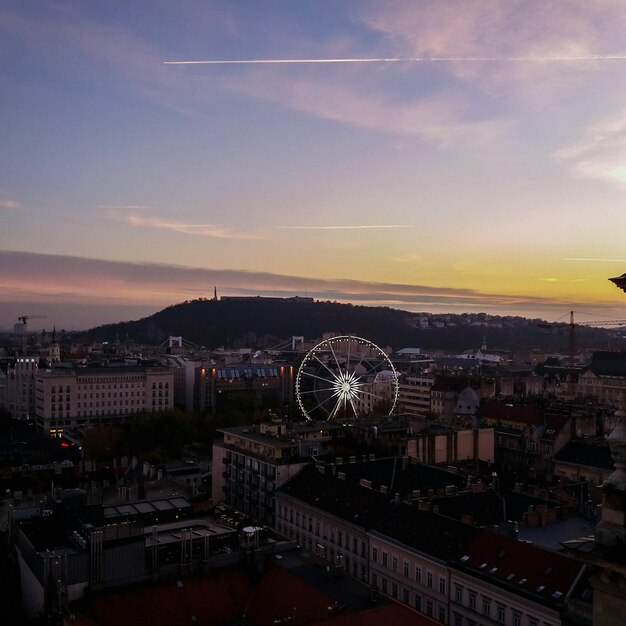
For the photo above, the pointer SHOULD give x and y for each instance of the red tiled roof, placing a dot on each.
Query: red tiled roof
(520, 565)
(281, 594)
(392, 614)
(214, 600)
(510, 412)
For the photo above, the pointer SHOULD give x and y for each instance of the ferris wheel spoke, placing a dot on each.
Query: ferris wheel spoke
(320, 377)
(336, 408)
(324, 365)
(341, 383)
(309, 391)
(332, 411)
(356, 413)
(371, 369)
(330, 345)
(369, 393)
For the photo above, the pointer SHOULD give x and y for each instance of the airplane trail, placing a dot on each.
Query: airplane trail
(421, 59)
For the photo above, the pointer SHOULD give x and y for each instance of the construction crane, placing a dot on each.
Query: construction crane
(572, 338)
(24, 319)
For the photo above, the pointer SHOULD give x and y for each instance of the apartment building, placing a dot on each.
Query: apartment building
(66, 398)
(17, 387)
(452, 572)
(414, 393)
(329, 516)
(500, 581)
(251, 462)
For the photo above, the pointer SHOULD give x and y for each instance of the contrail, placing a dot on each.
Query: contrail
(594, 259)
(421, 59)
(348, 227)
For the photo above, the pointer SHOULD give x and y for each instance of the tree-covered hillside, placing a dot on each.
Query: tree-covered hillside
(264, 323)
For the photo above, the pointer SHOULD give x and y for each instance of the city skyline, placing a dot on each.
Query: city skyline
(429, 156)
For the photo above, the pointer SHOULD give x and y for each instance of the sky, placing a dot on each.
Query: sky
(456, 156)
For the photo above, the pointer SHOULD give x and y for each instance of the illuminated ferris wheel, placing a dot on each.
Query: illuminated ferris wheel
(345, 377)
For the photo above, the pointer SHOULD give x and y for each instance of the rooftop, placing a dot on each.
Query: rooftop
(520, 566)
(581, 453)
(430, 533)
(344, 499)
(400, 475)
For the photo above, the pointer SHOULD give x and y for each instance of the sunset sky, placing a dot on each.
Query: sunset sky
(483, 168)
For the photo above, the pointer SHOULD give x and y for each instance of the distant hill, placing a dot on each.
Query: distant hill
(266, 322)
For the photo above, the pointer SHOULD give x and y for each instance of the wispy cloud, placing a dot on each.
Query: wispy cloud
(6, 203)
(124, 207)
(26, 276)
(408, 258)
(492, 31)
(202, 230)
(345, 96)
(601, 151)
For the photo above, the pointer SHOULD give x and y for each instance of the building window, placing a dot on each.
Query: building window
(418, 574)
(472, 600)
(458, 619)
(517, 618)
(442, 585)
(458, 594)
(374, 552)
(405, 596)
(418, 602)
(384, 585)
(429, 579)
(394, 563)
(486, 607)
(394, 590)
(442, 614)
(501, 613)
(405, 569)
(384, 559)
(429, 608)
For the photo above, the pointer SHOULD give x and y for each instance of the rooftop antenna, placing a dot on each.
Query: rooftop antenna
(214, 293)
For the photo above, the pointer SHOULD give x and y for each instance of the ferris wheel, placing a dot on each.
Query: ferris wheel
(345, 376)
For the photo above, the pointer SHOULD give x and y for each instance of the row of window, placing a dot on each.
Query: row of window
(392, 564)
(335, 536)
(477, 602)
(485, 606)
(392, 589)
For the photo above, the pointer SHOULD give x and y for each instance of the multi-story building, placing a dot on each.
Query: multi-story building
(17, 387)
(93, 395)
(329, 516)
(414, 392)
(528, 436)
(444, 395)
(64, 556)
(440, 444)
(251, 462)
(214, 385)
(501, 581)
(604, 379)
(451, 571)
